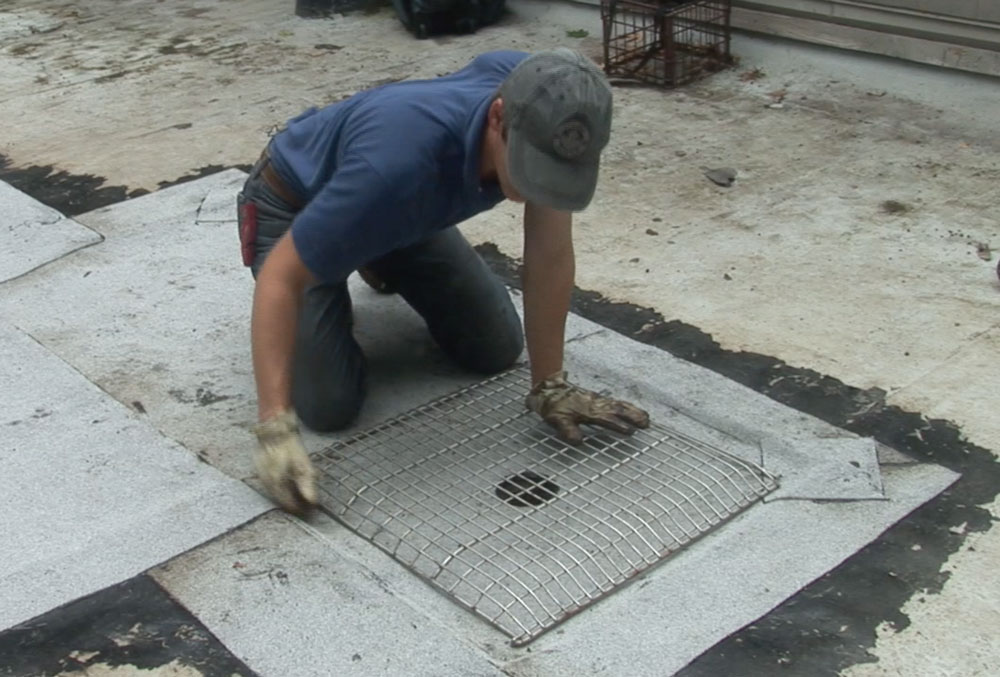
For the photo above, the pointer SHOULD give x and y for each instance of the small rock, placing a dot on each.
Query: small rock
(650, 231)
(656, 219)
(680, 153)
(722, 176)
(983, 251)
(83, 656)
(635, 260)
(726, 276)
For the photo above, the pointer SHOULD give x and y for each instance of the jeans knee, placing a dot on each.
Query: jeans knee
(327, 414)
(492, 353)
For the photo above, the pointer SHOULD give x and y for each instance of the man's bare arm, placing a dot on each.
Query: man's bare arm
(549, 269)
(281, 460)
(277, 298)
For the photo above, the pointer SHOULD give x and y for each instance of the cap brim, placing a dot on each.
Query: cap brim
(548, 181)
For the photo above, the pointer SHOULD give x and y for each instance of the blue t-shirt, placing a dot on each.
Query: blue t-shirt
(389, 166)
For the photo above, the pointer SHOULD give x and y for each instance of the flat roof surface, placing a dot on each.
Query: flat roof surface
(160, 297)
(849, 272)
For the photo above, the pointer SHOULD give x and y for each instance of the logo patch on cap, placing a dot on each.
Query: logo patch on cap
(571, 140)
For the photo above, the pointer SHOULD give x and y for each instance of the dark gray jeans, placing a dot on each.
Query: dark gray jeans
(467, 309)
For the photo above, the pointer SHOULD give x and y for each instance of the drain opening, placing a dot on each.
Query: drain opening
(527, 488)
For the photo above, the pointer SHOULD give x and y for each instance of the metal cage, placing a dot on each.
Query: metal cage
(666, 42)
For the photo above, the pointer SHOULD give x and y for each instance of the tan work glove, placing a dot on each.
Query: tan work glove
(565, 406)
(283, 465)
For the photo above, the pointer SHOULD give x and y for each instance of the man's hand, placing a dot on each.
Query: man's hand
(565, 406)
(283, 465)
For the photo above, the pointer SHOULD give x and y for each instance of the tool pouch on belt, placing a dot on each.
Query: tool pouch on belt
(246, 216)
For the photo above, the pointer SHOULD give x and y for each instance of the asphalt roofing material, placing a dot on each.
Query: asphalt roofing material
(33, 234)
(92, 494)
(156, 316)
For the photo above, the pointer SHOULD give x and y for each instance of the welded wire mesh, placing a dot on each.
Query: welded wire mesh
(665, 42)
(476, 495)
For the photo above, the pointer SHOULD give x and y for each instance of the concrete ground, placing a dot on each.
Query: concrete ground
(855, 249)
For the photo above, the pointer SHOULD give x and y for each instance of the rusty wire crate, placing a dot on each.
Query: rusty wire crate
(665, 42)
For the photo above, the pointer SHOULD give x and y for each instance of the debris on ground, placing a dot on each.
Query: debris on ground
(983, 251)
(752, 75)
(579, 33)
(722, 176)
(650, 231)
(895, 207)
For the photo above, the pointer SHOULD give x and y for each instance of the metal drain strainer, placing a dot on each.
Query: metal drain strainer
(476, 495)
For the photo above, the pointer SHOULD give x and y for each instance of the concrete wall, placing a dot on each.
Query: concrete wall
(968, 10)
(980, 10)
(962, 34)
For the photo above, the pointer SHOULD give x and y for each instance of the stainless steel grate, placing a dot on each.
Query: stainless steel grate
(476, 495)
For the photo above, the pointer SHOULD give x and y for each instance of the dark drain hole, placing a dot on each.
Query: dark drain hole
(526, 489)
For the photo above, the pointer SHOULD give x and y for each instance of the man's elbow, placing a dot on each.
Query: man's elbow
(285, 269)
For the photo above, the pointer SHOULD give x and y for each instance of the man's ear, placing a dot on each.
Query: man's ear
(495, 116)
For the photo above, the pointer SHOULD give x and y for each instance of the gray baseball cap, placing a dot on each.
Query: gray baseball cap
(557, 108)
